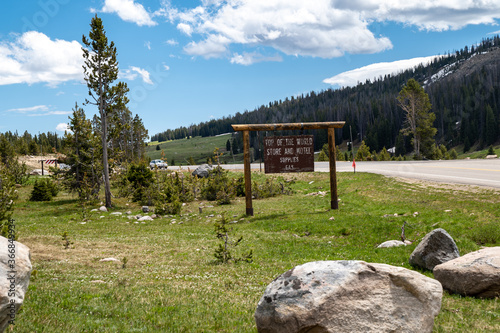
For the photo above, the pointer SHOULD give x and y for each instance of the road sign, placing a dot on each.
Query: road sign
(283, 154)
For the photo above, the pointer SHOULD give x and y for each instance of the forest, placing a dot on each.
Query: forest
(463, 87)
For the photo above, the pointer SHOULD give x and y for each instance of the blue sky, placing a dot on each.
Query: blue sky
(190, 61)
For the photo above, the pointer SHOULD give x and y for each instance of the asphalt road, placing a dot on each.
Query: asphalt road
(471, 172)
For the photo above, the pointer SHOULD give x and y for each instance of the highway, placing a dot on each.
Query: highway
(479, 172)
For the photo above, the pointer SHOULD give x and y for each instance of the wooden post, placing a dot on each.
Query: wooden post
(248, 172)
(333, 169)
(42, 166)
(245, 128)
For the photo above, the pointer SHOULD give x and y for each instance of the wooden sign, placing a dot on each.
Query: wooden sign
(284, 154)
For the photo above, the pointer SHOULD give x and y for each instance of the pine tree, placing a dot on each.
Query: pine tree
(82, 154)
(100, 71)
(419, 120)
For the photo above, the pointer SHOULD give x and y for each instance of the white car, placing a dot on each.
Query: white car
(158, 163)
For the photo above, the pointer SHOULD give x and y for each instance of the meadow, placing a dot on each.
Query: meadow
(166, 278)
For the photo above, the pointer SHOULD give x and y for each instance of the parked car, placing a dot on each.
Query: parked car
(158, 163)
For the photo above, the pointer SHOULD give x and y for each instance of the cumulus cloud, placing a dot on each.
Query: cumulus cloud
(320, 28)
(33, 57)
(129, 11)
(134, 72)
(374, 71)
(61, 127)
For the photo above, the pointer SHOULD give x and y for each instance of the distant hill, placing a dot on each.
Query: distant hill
(464, 88)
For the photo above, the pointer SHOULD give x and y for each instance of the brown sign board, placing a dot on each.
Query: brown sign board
(284, 154)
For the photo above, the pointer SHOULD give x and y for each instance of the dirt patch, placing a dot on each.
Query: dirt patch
(33, 162)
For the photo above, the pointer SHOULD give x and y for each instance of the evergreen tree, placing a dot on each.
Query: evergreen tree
(100, 71)
(491, 126)
(82, 154)
(419, 120)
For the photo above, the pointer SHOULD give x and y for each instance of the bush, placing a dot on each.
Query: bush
(44, 190)
(491, 151)
(218, 184)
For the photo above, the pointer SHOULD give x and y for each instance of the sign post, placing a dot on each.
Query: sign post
(297, 148)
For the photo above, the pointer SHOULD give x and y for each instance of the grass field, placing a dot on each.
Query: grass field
(170, 282)
(179, 151)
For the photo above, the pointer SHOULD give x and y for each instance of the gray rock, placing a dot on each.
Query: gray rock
(128, 212)
(436, 247)
(202, 171)
(474, 274)
(103, 209)
(145, 218)
(13, 286)
(116, 213)
(145, 209)
(349, 296)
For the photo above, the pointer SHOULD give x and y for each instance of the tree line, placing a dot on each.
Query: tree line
(463, 88)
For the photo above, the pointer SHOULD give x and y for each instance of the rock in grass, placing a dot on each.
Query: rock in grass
(474, 274)
(13, 286)
(349, 296)
(436, 247)
(103, 209)
(202, 171)
(391, 243)
(145, 209)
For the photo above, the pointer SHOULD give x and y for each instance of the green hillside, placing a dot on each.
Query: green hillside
(178, 152)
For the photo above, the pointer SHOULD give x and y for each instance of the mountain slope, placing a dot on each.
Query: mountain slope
(464, 88)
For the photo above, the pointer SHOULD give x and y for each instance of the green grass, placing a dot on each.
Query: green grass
(199, 148)
(171, 284)
(474, 153)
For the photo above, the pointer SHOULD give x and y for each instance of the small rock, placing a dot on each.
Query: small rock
(138, 216)
(83, 222)
(391, 243)
(447, 210)
(145, 209)
(128, 212)
(103, 209)
(145, 218)
(101, 217)
(94, 210)
(108, 259)
(332, 218)
(116, 213)
(154, 216)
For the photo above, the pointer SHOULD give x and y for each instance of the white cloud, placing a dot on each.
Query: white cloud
(320, 28)
(166, 67)
(148, 45)
(62, 127)
(129, 11)
(33, 57)
(35, 108)
(172, 42)
(374, 71)
(247, 59)
(38, 110)
(50, 113)
(133, 72)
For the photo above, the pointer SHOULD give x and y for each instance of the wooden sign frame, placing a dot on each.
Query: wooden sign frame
(246, 128)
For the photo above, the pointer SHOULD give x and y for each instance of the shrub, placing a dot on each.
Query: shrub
(44, 190)
(491, 151)
(224, 253)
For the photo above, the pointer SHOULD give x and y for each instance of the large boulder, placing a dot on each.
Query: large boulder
(474, 274)
(349, 296)
(436, 248)
(202, 171)
(15, 271)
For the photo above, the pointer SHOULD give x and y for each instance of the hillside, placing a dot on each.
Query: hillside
(464, 88)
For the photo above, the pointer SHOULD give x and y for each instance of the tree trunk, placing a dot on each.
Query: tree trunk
(105, 164)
